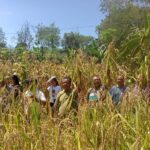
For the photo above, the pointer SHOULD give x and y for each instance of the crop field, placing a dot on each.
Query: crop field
(102, 127)
(81, 84)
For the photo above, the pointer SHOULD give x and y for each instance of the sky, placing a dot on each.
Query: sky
(69, 15)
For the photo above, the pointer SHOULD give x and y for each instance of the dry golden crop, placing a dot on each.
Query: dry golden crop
(100, 128)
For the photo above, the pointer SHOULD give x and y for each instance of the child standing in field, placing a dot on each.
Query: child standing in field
(53, 89)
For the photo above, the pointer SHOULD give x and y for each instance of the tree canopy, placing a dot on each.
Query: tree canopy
(121, 17)
(48, 36)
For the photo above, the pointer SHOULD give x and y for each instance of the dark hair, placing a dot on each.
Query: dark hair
(55, 80)
(15, 78)
(67, 78)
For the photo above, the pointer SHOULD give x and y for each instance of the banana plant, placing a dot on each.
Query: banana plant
(137, 49)
(137, 41)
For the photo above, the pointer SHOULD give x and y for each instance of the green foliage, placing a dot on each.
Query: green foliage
(75, 41)
(108, 6)
(20, 48)
(48, 36)
(71, 41)
(39, 53)
(5, 53)
(138, 41)
(136, 49)
(95, 50)
(108, 35)
(34, 112)
(121, 17)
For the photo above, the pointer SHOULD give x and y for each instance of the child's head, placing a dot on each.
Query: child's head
(53, 81)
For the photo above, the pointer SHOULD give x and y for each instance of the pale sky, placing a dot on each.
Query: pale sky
(69, 15)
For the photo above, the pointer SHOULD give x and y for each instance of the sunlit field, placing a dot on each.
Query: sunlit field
(75, 75)
(103, 127)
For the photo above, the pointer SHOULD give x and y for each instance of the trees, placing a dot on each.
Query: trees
(48, 36)
(121, 17)
(71, 41)
(137, 44)
(108, 6)
(136, 49)
(24, 37)
(2, 39)
(74, 40)
(125, 27)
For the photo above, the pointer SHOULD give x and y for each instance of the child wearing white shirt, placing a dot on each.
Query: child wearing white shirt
(53, 89)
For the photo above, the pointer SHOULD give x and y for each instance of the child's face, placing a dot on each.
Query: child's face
(53, 83)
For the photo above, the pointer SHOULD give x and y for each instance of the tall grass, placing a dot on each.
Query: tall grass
(103, 127)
